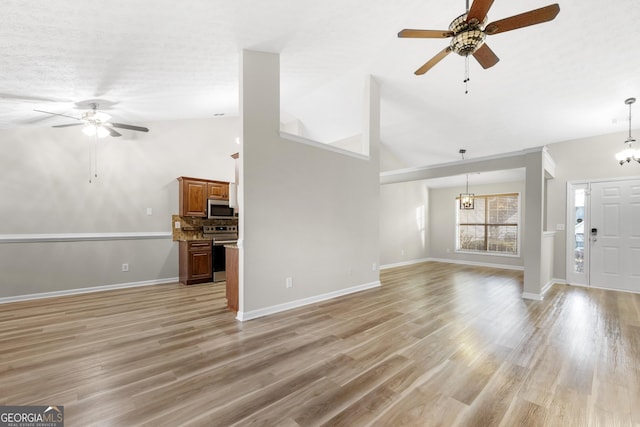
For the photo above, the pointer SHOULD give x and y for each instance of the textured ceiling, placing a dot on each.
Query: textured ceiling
(159, 60)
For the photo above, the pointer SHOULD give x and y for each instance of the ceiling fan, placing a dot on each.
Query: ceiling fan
(469, 30)
(96, 123)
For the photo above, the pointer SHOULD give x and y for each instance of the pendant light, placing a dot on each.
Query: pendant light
(630, 153)
(466, 198)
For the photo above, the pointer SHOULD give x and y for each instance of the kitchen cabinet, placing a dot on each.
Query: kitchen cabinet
(231, 261)
(195, 262)
(218, 190)
(194, 192)
(192, 197)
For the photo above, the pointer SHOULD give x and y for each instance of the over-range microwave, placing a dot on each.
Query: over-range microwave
(220, 209)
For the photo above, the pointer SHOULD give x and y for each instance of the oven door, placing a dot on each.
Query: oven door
(219, 259)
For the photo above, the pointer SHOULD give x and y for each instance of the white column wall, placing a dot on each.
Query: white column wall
(308, 214)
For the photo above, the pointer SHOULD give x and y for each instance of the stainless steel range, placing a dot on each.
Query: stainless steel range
(220, 235)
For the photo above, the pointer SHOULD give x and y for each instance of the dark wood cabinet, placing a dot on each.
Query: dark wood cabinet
(195, 262)
(194, 192)
(231, 261)
(192, 197)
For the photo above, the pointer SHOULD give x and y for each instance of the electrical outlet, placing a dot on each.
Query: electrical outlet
(149, 211)
(289, 282)
(125, 267)
(177, 225)
(374, 267)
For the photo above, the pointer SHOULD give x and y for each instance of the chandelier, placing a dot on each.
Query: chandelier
(466, 198)
(630, 152)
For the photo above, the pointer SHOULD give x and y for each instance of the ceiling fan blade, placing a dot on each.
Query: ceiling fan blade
(433, 61)
(112, 131)
(485, 56)
(536, 16)
(57, 114)
(67, 125)
(19, 97)
(425, 34)
(478, 11)
(130, 127)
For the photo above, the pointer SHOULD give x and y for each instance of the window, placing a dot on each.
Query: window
(491, 227)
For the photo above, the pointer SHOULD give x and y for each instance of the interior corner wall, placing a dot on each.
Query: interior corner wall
(45, 192)
(309, 214)
(442, 223)
(582, 159)
(404, 210)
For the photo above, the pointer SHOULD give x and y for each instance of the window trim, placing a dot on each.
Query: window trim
(486, 225)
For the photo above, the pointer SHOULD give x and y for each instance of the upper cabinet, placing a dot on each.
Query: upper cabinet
(193, 197)
(194, 192)
(218, 190)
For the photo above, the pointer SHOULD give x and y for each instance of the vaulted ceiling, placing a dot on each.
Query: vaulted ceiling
(147, 61)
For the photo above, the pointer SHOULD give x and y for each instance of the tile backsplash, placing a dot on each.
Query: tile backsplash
(191, 228)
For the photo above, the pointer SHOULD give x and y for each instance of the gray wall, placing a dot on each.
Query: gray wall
(46, 195)
(404, 210)
(442, 222)
(404, 217)
(308, 213)
(581, 159)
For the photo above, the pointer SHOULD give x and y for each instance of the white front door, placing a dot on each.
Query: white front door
(614, 235)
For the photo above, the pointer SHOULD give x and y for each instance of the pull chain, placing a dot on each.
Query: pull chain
(90, 165)
(95, 156)
(466, 75)
(93, 160)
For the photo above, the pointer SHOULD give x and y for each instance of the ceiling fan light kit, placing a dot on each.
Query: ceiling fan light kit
(467, 39)
(95, 130)
(469, 31)
(630, 153)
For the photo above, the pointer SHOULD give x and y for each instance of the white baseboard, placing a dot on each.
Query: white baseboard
(78, 291)
(532, 296)
(580, 285)
(546, 287)
(248, 315)
(404, 263)
(610, 289)
(477, 264)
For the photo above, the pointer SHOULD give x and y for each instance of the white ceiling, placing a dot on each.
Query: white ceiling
(165, 59)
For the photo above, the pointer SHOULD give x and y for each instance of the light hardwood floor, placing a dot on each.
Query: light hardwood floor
(436, 344)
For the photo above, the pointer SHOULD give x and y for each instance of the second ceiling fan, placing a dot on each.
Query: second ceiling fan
(469, 30)
(96, 122)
